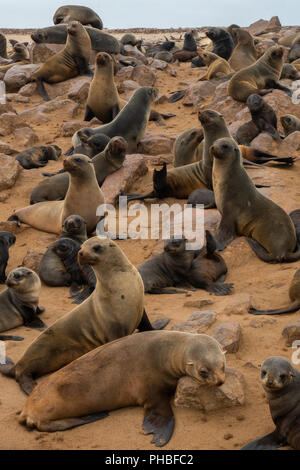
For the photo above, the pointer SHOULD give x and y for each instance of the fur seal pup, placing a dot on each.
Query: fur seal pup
(7, 240)
(84, 15)
(263, 74)
(130, 123)
(222, 42)
(294, 294)
(83, 197)
(165, 46)
(52, 271)
(186, 145)
(246, 212)
(281, 383)
(113, 310)
(294, 53)
(290, 124)
(102, 381)
(217, 66)
(202, 196)
(101, 42)
(19, 302)
(290, 72)
(36, 157)
(73, 60)
(105, 163)
(245, 52)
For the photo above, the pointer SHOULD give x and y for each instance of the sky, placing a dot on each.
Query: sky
(153, 13)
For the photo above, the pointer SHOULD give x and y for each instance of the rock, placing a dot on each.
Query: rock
(265, 143)
(155, 144)
(228, 334)
(198, 303)
(212, 218)
(9, 122)
(16, 77)
(198, 322)
(292, 332)
(42, 52)
(9, 171)
(122, 180)
(128, 85)
(134, 52)
(173, 73)
(197, 93)
(260, 322)
(13, 228)
(7, 149)
(158, 160)
(144, 76)
(161, 99)
(238, 304)
(291, 144)
(32, 259)
(125, 73)
(39, 113)
(192, 394)
(26, 137)
(80, 89)
(258, 27)
(158, 64)
(70, 127)
(28, 90)
(6, 108)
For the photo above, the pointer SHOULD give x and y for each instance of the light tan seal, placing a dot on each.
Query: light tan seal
(217, 66)
(245, 52)
(82, 198)
(246, 212)
(73, 60)
(139, 370)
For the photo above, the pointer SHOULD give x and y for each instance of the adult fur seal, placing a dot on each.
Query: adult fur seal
(217, 66)
(245, 52)
(290, 124)
(246, 212)
(83, 197)
(36, 157)
(222, 42)
(73, 60)
(84, 15)
(105, 163)
(19, 302)
(102, 381)
(130, 123)
(281, 383)
(101, 42)
(264, 73)
(294, 294)
(7, 239)
(115, 309)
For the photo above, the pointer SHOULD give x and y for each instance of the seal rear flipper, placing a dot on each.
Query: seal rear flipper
(176, 96)
(69, 151)
(159, 421)
(219, 288)
(59, 172)
(145, 324)
(165, 290)
(277, 86)
(11, 338)
(26, 383)
(262, 254)
(69, 423)
(14, 218)
(36, 324)
(271, 441)
(41, 89)
(136, 197)
(89, 114)
(289, 309)
(8, 369)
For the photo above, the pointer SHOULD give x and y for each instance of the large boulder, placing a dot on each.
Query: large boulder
(9, 171)
(16, 77)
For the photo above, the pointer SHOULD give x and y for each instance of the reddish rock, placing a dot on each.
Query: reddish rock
(32, 259)
(197, 93)
(292, 332)
(7, 149)
(198, 303)
(80, 89)
(125, 73)
(228, 334)
(9, 122)
(9, 171)
(237, 304)
(155, 144)
(16, 77)
(198, 322)
(26, 137)
(144, 76)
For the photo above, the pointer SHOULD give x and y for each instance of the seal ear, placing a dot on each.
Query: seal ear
(190, 363)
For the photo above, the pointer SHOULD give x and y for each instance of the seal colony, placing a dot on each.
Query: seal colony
(235, 153)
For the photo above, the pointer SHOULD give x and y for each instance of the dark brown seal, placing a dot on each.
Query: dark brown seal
(37, 157)
(84, 15)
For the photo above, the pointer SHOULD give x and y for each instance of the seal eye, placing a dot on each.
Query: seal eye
(203, 373)
(18, 276)
(282, 377)
(263, 373)
(97, 249)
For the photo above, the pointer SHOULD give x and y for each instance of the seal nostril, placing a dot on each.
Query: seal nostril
(219, 383)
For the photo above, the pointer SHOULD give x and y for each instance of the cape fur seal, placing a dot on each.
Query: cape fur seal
(37, 157)
(105, 163)
(290, 124)
(281, 383)
(290, 72)
(222, 42)
(100, 41)
(7, 240)
(294, 53)
(217, 66)
(294, 294)
(246, 212)
(113, 310)
(84, 15)
(19, 302)
(73, 60)
(130, 123)
(3, 46)
(263, 74)
(141, 369)
(83, 197)
(245, 52)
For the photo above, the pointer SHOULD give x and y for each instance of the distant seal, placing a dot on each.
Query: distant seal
(222, 42)
(294, 294)
(141, 369)
(165, 46)
(290, 124)
(130, 123)
(7, 240)
(84, 15)
(250, 214)
(294, 53)
(164, 55)
(189, 43)
(106, 162)
(217, 66)
(73, 60)
(83, 197)
(19, 302)
(263, 74)
(245, 52)
(281, 383)
(36, 157)
(232, 31)
(20, 57)
(101, 42)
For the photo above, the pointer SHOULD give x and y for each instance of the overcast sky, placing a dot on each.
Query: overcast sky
(153, 13)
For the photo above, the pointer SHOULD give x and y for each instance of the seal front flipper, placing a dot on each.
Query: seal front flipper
(159, 421)
(89, 114)
(165, 290)
(261, 253)
(69, 423)
(219, 288)
(277, 86)
(41, 89)
(11, 338)
(82, 66)
(271, 441)
(31, 320)
(145, 324)
(226, 233)
(176, 96)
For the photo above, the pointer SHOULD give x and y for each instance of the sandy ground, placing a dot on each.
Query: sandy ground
(267, 284)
